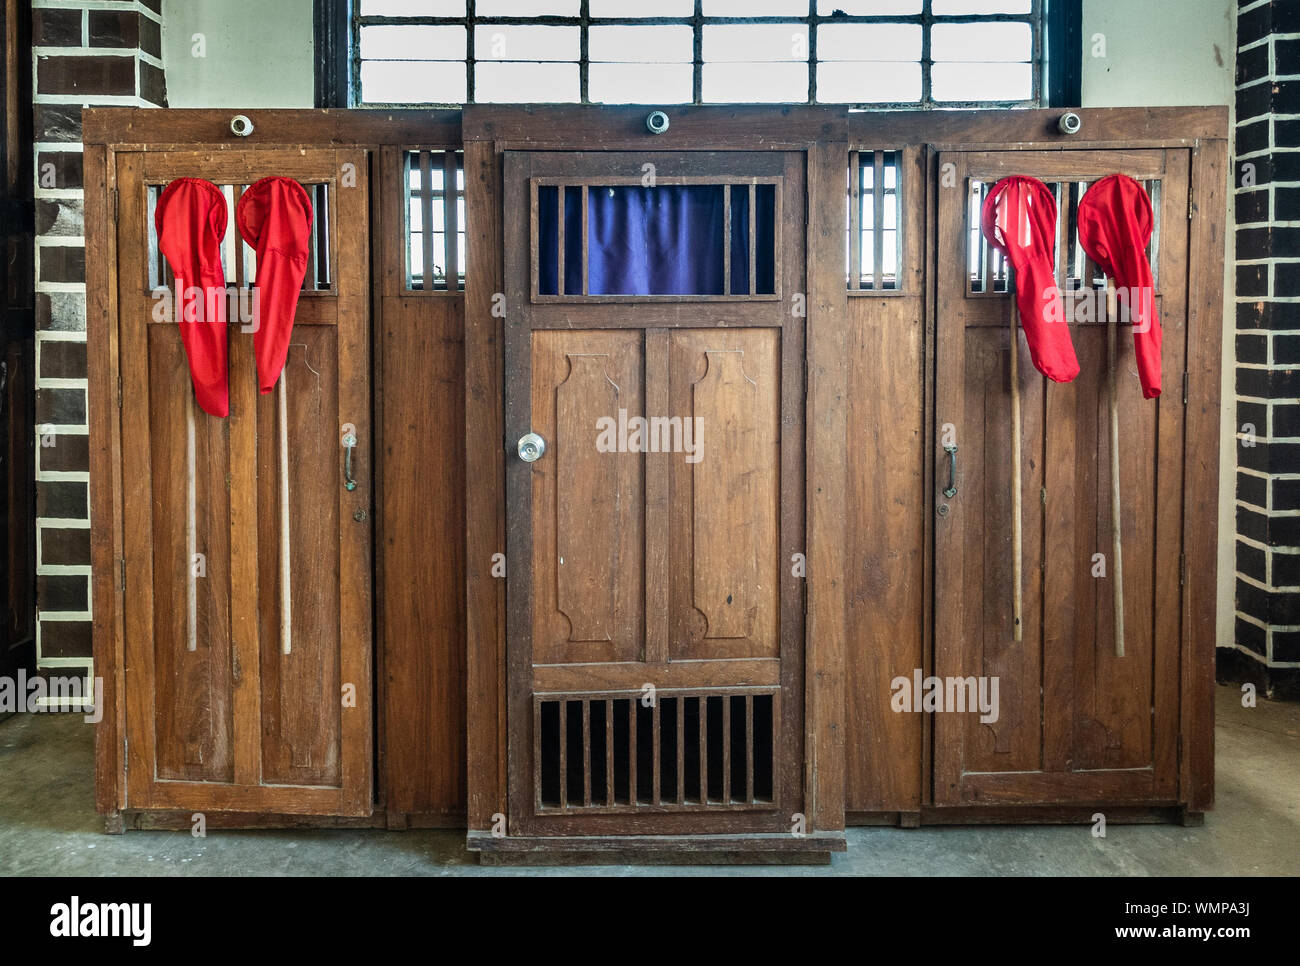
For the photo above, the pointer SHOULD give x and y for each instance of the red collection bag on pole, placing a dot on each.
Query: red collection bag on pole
(190, 219)
(274, 217)
(1115, 225)
(1019, 220)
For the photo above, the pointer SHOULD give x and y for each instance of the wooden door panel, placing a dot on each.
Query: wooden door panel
(724, 576)
(193, 682)
(229, 707)
(661, 563)
(588, 505)
(1076, 723)
(301, 707)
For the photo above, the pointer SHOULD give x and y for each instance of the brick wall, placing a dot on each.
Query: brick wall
(89, 53)
(1267, 170)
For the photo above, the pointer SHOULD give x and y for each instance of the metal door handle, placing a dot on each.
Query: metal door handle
(951, 489)
(349, 443)
(531, 447)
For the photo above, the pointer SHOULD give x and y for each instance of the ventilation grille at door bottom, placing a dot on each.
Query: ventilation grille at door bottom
(687, 750)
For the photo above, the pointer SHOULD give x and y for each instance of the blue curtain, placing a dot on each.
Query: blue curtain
(666, 240)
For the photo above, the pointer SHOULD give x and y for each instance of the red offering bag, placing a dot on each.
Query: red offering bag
(1019, 220)
(1115, 225)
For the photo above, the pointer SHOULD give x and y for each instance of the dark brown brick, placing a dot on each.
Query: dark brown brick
(151, 37)
(57, 122)
(65, 639)
(69, 454)
(60, 169)
(63, 360)
(62, 592)
(61, 311)
(60, 217)
(85, 75)
(61, 407)
(63, 263)
(56, 28)
(114, 28)
(61, 499)
(153, 84)
(65, 546)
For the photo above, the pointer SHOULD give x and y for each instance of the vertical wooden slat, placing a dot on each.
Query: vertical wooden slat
(537, 753)
(726, 748)
(609, 751)
(426, 217)
(704, 749)
(855, 222)
(726, 239)
(564, 754)
(987, 282)
(632, 795)
(753, 238)
(559, 252)
(749, 747)
(877, 220)
(450, 220)
(655, 732)
(585, 259)
(656, 504)
(899, 214)
(586, 752)
(681, 750)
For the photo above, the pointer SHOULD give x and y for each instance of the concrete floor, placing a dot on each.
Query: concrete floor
(48, 826)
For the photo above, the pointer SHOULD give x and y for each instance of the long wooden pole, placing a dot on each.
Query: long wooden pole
(191, 530)
(1117, 550)
(1017, 576)
(286, 610)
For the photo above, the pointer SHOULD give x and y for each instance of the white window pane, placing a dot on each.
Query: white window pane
(413, 82)
(528, 8)
(621, 45)
(981, 82)
(755, 82)
(750, 43)
(869, 8)
(412, 8)
(982, 42)
(412, 43)
(639, 8)
(755, 8)
(848, 83)
(506, 42)
(869, 42)
(945, 8)
(507, 83)
(640, 83)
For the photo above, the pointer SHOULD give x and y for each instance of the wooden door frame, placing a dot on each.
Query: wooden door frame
(136, 171)
(662, 316)
(820, 134)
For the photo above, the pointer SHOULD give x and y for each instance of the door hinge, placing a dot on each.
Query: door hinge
(1191, 202)
(126, 758)
(1182, 569)
(1185, 381)
(121, 563)
(115, 214)
(119, 392)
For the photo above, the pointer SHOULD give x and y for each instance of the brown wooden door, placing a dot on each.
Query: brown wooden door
(230, 705)
(1076, 723)
(655, 605)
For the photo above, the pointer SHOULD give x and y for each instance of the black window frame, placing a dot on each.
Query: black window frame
(1057, 51)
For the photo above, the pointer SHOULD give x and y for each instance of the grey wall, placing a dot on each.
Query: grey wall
(258, 53)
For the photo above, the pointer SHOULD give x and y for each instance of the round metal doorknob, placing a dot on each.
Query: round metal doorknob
(531, 447)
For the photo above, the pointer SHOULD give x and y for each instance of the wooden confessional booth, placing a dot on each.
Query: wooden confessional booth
(411, 586)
